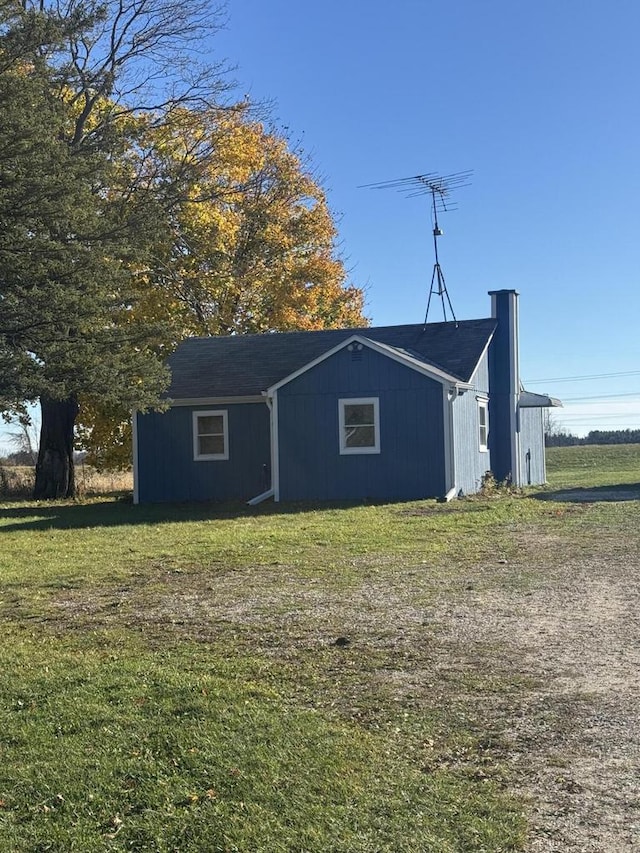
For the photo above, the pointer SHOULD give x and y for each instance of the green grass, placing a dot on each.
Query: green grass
(171, 679)
(592, 465)
(175, 750)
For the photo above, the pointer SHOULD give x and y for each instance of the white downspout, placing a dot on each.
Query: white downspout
(272, 492)
(272, 403)
(275, 482)
(134, 447)
(449, 395)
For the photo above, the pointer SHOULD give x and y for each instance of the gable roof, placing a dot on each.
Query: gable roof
(395, 353)
(246, 365)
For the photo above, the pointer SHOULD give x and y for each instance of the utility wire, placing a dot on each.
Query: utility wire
(600, 397)
(583, 378)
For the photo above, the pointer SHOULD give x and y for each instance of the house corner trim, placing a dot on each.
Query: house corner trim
(134, 444)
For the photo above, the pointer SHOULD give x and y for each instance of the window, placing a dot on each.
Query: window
(483, 422)
(359, 425)
(210, 436)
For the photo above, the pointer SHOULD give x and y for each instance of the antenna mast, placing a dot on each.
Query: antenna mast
(439, 187)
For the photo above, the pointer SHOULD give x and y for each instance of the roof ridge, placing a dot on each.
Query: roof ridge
(241, 365)
(339, 329)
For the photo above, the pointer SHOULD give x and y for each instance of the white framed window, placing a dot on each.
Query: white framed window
(359, 424)
(210, 435)
(483, 424)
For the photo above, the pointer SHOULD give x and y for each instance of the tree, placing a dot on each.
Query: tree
(253, 245)
(23, 438)
(252, 249)
(73, 248)
(63, 284)
(168, 214)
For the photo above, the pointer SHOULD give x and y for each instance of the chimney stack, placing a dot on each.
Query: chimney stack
(504, 370)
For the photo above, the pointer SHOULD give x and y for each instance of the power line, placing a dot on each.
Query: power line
(580, 418)
(601, 397)
(598, 422)
(584, 378)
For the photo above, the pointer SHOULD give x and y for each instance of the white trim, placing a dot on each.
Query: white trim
(210, 457)
(448, 398)
(134, 448)
(275, 448)
(263, 496)
(483, 406)
(415, 363)
(345, 450)
(215, 401)
(517, 474)
(544, 448)
(391, 352)
(482, 355)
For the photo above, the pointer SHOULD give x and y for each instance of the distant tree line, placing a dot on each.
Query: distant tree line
(18, 457)
(560, 438)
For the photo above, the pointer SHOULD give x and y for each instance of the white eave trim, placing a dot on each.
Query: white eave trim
(482, 355)
(391, 352)
(216, 401)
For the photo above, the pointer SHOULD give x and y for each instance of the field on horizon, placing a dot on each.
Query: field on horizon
(353, 678)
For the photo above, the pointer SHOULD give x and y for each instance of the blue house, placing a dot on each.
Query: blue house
(381, 413)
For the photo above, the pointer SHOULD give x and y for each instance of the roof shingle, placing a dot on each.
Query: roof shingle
(246, 365)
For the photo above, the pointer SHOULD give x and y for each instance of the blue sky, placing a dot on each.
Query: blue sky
(540, 100)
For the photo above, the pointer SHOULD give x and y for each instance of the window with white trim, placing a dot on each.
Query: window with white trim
(210, 435)
(359, 420)
(483, 424)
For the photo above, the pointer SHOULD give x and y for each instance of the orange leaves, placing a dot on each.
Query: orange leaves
(245, 243)
(254, 242)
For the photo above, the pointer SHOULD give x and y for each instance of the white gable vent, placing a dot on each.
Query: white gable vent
(356, 351)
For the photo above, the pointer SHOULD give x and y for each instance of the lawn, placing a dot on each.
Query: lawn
(301, 679)
(593, 465)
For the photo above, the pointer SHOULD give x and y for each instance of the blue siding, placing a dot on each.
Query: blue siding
(532, 464)
(411, 459)
(168, 472)
(502, 402)
(470, 462)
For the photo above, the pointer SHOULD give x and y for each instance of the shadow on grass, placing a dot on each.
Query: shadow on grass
(121, 512)
(592, 494)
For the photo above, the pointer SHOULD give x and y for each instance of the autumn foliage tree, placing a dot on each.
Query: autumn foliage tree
(252, 247)
(189, 217)
(254, 240)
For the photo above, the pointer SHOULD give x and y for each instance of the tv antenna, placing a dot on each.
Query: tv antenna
(439, 187)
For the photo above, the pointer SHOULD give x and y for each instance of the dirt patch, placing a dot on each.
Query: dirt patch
(541, 651)
(574, 737)
(596, 493)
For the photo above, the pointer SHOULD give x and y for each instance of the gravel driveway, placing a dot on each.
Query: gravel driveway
(573, 738)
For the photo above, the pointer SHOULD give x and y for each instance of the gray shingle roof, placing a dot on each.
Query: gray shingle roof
(243, 365)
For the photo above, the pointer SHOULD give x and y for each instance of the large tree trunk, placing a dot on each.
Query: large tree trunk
(55, 475)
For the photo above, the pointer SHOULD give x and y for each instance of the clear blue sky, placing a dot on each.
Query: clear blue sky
(540, 100)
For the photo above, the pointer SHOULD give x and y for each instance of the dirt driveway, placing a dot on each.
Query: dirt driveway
(573, 739)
